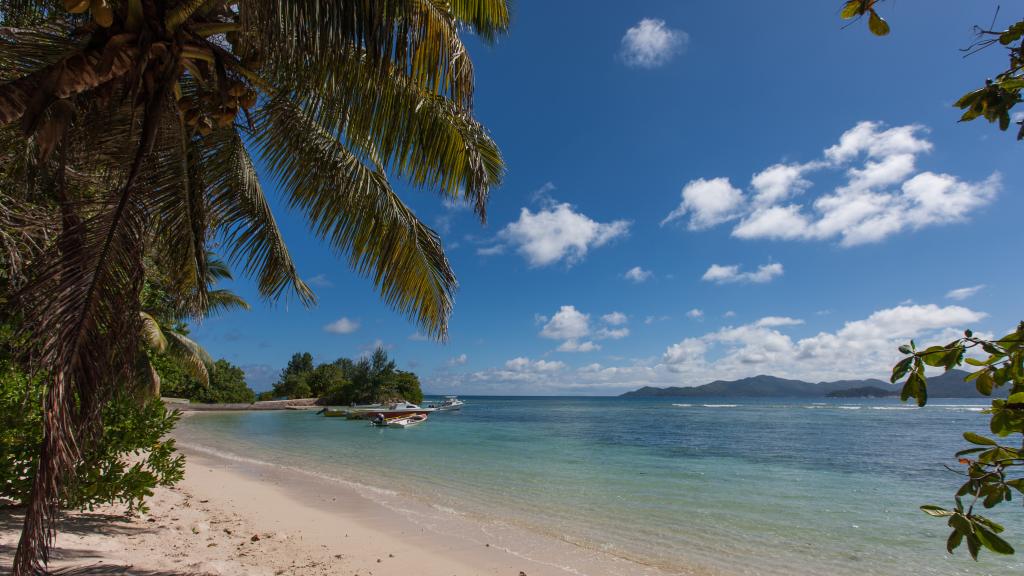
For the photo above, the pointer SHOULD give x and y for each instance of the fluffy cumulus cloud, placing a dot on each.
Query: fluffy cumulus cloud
(573, 328)
(651, 43)
(458, 360)
(522, 364)
(615, 318)
(342, 325)
(555, 233)
(775, 321)
(882, 193)
(708, 203)
(861, 348)
(567, 324)
(638, 275)
(964, 293)
(695, 313)
(728, 274)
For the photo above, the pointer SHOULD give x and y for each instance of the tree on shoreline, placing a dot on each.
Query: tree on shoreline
(372, 379)
(131, 124)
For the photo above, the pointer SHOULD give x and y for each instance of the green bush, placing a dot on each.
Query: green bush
(129, 459)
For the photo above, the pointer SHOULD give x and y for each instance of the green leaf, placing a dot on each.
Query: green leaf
(984, 383)
(900, 370)
(878, 25)
(954, 540)
(936, 511)
(1017, 398)
(933, 355)
(978, 439)
(993, 542)
(852, 9)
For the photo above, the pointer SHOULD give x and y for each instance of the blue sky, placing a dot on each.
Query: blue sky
(695, 190)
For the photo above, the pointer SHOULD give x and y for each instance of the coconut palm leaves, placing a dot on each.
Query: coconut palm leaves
(137, 123)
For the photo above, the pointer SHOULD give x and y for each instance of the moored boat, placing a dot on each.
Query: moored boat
(451, 403)
(407, 421)
(389, 410)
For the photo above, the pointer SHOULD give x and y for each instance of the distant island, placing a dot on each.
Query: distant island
(948, 385)
(863, 392)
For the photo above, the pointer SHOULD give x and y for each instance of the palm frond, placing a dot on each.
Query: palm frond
(488, 18)
(357, 212)
(191, 355)
(245, 223)
(224, 301)
(418, 37)
(152, 333)
(413, 133)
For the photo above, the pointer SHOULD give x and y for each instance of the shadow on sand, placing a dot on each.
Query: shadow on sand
(81, 523)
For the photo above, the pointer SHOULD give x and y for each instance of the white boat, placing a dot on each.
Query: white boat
(451, 403)
(407, 421)
(388, 410)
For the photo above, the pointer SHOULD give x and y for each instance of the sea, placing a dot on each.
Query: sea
(678, 486)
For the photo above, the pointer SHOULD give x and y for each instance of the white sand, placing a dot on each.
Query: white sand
(220, 521)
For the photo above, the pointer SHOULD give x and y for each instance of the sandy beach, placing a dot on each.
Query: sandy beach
(221, 521)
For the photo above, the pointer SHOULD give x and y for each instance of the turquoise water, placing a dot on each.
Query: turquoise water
(735, 486)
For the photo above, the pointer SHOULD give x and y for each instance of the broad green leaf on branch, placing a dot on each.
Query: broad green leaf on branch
(992, 469)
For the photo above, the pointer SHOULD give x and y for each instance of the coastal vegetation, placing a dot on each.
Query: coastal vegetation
(130, 457)
(370, 379)
(992, 468)
(130, 132)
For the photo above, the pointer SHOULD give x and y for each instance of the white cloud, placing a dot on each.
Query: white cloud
(651, 43)
(573, 327)
(615, 318)
(729, 314)
(779, 182)
(522, 364)
(774, 321)
(458, 360)
(557, 232)
(689, 351)
(320, 281)
(775, 222)
(709, 202)
(342, 326)
(867, 137)
(964, 293)
(638, 274)
(612, 333)
(418, 337)
(729, 274)
(567, 324)
(491, 250)
(857, 349)
(882, 195)
(695, 313)
(576, 346)
(652, 319)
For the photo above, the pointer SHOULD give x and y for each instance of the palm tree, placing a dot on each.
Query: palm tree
(134, 123)
(162, 334)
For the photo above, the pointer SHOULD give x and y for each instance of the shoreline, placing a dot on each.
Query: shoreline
(232, 517)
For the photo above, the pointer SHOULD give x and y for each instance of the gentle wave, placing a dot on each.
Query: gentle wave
(849, 407)
(358, 486)
(894, 408)
(721, 405)
(683, 405)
